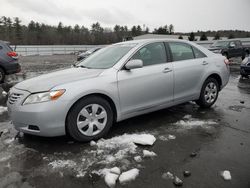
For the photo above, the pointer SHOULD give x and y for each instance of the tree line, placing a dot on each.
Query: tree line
(36, 33)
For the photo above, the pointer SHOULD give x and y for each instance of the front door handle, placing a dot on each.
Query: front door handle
(166, 70)
(204, 63)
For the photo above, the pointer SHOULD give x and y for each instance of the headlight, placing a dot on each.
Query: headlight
(43, 97)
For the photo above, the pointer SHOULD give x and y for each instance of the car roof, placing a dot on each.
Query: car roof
(144, 41)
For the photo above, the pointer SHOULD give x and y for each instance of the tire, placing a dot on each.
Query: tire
(247, 54)
(89, 119)
(209, 93)
(2, 76)
(243, 56)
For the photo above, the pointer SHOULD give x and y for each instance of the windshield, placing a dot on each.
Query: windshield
(106, 57)
(220, 44)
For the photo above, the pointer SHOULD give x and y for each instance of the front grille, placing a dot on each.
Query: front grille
(14, 97)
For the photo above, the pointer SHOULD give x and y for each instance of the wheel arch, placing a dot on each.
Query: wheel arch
(216, 77)
(104, 96)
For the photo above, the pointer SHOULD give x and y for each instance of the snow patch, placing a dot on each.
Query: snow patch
(194, 123)
(147, 153)
(115, 170)
(3, 109)
(128, 176)
(167, 175)
(226, 175)
(92, 143)
(168, 137)
(9, 140)
(187, 116)
(62, 164)
(4, 93)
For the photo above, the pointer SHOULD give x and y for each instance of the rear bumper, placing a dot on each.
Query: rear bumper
(12, 67)
(245, 70)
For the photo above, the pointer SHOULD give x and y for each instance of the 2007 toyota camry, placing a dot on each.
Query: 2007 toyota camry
(118, 82)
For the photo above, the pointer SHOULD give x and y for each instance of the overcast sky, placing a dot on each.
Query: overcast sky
(185, 15)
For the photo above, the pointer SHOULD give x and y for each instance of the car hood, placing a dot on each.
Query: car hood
(48, 81)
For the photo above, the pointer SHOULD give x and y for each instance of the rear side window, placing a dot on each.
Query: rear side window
(181, 51)
(152, 54)
(198, 53)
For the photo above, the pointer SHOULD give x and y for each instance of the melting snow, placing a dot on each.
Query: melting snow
(62, 163)
(147, 153)
(3, 109)
(226, 175)
(128, 176)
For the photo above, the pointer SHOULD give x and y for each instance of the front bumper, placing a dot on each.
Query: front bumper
(47, 117)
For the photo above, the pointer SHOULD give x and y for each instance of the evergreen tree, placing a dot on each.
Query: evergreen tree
(203, 37)
(217, 36)
(191, 37)
(171, 29)
(180, 37)
(18, 31)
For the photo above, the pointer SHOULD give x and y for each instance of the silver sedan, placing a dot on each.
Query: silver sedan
(118, 82)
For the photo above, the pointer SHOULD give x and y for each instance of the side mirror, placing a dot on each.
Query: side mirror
(134, 64)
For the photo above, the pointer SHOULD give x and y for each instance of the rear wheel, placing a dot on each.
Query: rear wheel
(2, 75)
(89, 119)
(209, 93)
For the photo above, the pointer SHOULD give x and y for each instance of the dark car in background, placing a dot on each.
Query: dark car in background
(245, 67)
(8, 60)
(87, 53)
(230, 48)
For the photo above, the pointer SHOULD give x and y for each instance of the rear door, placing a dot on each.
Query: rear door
(149, 86)
(189, 65)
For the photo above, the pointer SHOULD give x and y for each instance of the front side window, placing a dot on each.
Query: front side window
(151, 54)
(181, 51)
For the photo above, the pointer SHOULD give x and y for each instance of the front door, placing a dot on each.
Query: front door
(149, 86)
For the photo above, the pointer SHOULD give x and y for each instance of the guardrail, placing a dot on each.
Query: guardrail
(26, 50)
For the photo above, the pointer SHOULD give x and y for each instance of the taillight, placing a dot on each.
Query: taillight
(226, 61)
(12, 54)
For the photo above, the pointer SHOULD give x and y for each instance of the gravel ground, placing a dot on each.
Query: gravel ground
(204, 142)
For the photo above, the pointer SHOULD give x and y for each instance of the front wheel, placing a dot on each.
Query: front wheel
(89, 119)
(209, 93)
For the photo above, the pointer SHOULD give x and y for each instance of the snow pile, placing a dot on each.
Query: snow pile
(3, 109)
(62, 164)
(4, 156)
(119, 147)
(226, 175)
(128, 176)
(147, 153)
(110, 179)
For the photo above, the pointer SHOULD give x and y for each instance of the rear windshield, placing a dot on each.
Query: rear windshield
(220, 44)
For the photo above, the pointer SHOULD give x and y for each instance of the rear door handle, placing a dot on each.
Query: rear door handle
(204, 63)
(166, 70)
